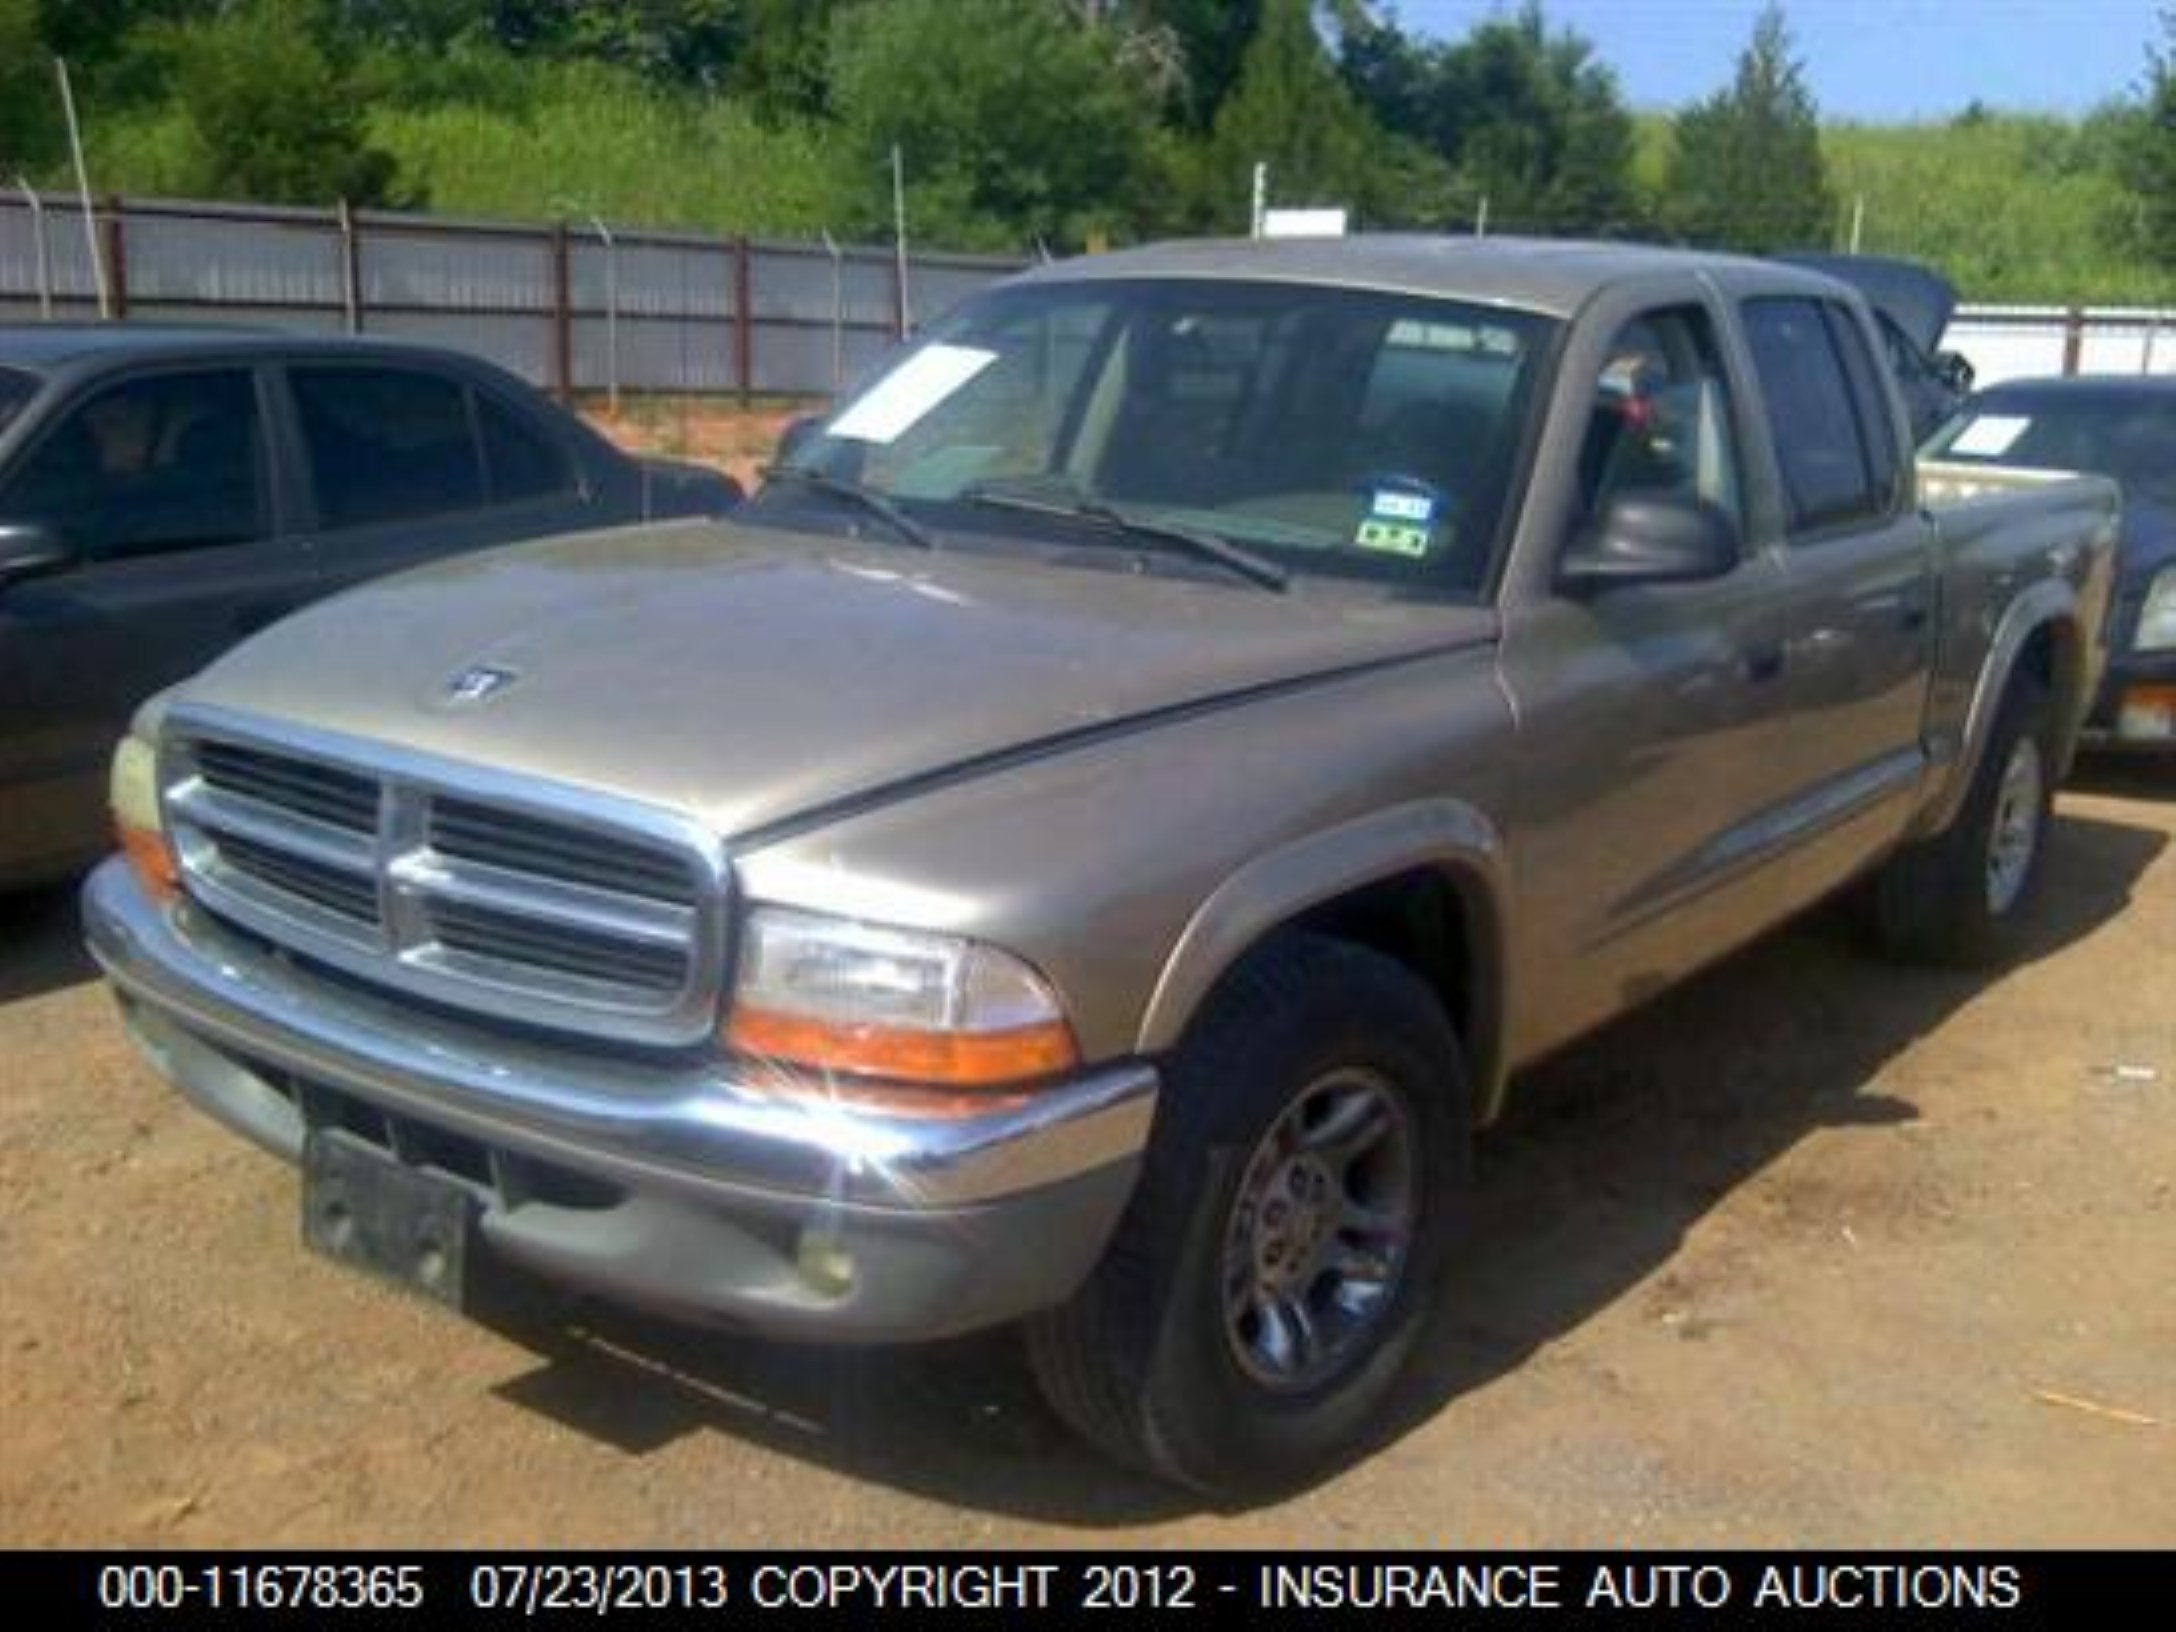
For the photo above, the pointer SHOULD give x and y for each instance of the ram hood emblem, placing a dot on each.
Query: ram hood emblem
(477, 682)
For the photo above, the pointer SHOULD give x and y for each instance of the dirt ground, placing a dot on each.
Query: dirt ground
(711, 431)
(1817, 1251)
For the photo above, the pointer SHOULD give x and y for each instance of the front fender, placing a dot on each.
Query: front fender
(1447, 836)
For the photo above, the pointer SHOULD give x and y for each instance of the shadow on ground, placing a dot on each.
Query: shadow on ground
(1610, 1153)
(41, 942)
(2125, 776)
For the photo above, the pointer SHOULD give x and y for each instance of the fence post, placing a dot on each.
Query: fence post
(562, 315)
(744, 333)
(838, 314)
(351, 268)
(117, 254)
(2073, 338)
(45, 257)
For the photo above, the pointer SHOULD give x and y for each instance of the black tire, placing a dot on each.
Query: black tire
(1938, 901)
(1147, 1361)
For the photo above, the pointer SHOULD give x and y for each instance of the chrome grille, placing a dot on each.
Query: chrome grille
(528, 902)
(500, 838)
(319, 792)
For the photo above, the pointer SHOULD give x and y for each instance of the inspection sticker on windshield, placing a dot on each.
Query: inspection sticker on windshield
(1991, 435)
(1397, 523)
(909, 391)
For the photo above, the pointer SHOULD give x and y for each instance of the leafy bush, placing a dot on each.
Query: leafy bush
(598, 138)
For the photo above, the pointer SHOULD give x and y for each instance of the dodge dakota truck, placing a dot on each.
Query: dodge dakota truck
(1092, 840)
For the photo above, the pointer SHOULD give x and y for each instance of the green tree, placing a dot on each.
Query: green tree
(783, 58)
(1531, 120)
(1211, 39)
(2147, 160)
(1292, 112)
(1016, 121)
(1525, 117)
(268, 113)
(1747, 173)
(28, 121)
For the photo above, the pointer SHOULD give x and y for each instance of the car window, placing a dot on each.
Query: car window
(386, 444)
(522, 463)
(1661, 421)
(2129, 435)
(16, 388)
(168, 462)
(1828, 476)
(1870, 402)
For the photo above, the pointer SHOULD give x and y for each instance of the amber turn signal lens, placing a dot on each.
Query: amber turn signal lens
(954, 1059)
(152, 863)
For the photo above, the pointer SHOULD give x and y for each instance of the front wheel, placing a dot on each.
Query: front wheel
(1282, 1251)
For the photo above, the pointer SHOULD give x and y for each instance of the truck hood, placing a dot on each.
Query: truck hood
(1918, 299)
(748, 676)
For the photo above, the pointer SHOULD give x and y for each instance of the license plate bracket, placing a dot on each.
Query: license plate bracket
(362, 1208)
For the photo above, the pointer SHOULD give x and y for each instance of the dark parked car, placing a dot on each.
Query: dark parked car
(1912, 308)
(166, 491)
(2122, 426)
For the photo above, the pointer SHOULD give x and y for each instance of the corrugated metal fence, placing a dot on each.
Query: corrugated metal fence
(567, 306)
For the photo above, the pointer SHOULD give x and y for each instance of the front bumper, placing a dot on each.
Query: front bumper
(675, 1184)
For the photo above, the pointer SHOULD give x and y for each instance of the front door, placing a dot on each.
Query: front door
(161, 487)
(1651, 717)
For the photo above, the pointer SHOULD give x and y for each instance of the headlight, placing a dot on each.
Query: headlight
(133, 792)
(897, 1004)
(2157, 615)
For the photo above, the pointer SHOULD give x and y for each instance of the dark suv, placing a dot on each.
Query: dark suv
(166, 491)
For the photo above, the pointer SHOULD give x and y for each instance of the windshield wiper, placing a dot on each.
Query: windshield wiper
(867, 498)
(1207, 545)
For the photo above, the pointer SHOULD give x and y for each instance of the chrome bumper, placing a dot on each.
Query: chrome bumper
(708, 1193)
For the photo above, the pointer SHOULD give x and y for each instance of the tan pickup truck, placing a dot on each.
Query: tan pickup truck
(1091, 842)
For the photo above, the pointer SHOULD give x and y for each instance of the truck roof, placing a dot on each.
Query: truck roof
(1551, 275)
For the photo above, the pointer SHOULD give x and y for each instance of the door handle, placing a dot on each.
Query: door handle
(1764, 661)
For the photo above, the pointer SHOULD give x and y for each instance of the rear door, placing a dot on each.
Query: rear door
(405, 463)
(1861, 563)
(162, 485)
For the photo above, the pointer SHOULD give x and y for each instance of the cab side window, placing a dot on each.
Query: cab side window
(1661, 420)
(151, 466)
(1834, 439)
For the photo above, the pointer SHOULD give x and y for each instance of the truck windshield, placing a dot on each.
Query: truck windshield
(16, 388)
(1324, 432)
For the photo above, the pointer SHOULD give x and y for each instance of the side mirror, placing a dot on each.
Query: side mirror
(1954, 370)
(29, 549)
(797, 435)
(1650, 538)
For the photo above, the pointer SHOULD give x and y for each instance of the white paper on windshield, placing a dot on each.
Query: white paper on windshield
(910, 391)
(1991, 435)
